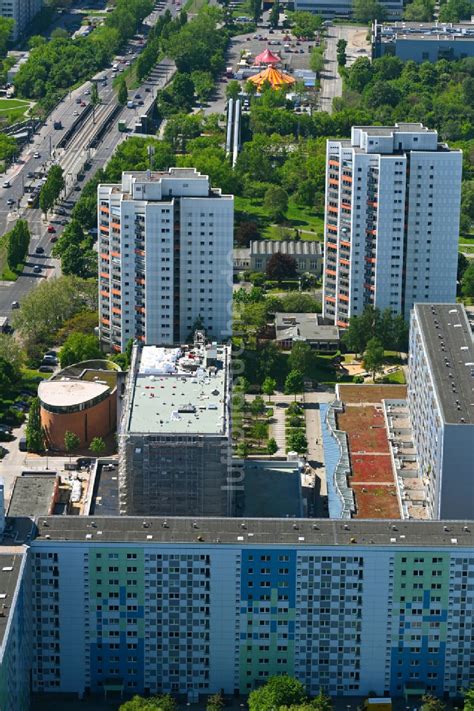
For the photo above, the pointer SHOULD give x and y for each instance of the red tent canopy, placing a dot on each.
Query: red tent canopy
(267, 57)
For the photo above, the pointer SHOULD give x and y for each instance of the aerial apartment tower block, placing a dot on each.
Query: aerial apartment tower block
(392, 221)
(165, 258)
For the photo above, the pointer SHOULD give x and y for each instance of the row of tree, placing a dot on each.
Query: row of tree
(51, 190)
(18, 242)
(75, 249)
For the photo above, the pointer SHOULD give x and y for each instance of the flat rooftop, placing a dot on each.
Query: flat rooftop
(105, 498)
(272, 489)
(180, 391)
(33, 495)
(303, 326)
(267, 532)
(66, 393)
(449, 344)
(425, 31)
(9, 573)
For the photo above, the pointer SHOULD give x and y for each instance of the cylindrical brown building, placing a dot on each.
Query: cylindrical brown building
(81, 400)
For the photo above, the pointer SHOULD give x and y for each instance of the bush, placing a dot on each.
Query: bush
(294, 409)
(272, 446)
(358, 379)
(294, 421)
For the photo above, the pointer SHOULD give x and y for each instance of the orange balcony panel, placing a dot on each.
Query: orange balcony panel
(105, 256)
(115, 310)
(333, 181)
(347, 178)
(343, 297)
(104, 210)
(345, 244)
(342, 324)
(332, 272)
(140, 281)
(141, 338)
(117, 292)
(115, 254)
(332, 209)
(334, 162)
(105, 321)
(331, 299)
(371, 232)
(369, 286)
(105, 293)
(372, 203)
(140, 252)
(370, 260)
(346, 206)
(105, 275)
(104, 229)
(332, 228)
(344, 261)
(116, 348)
(140, 309)
(116, 225)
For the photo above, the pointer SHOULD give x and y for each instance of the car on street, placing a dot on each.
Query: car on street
(36, 155)
(6, 183)
(50, 360)
(37, 269)
(45, 369)
(77, 188)
(75, 113)
(30, 174)
(53, 238)
(60, 211)
(87, 92)
(10, 202)
(147, 89)
(78, 100)
(138, 96)
(39, 250)
(84, 462)
(51, 229)
(83, 103)
(15, 304)
(53, 354)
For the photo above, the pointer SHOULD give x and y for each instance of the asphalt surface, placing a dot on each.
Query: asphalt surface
(357, 46)
(44, 145)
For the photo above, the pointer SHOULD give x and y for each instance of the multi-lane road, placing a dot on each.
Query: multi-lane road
(44, 149)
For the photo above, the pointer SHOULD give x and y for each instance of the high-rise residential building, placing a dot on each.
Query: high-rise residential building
(175, 455)
(165, 258)
(22, 11)
(441, 407)
(193, 606)
(391, 222)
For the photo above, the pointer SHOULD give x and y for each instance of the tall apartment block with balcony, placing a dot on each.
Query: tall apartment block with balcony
(391, 221)
(165, 258)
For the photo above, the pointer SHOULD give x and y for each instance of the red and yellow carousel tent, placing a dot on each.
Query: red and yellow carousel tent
(274, 77)
(266, 57)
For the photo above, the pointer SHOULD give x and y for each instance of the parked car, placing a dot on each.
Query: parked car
(45, 369)
(37, 269)
(53, 354)
(51, 229)
(36, 155)
(15, 305)
(39, 250)
(53, 238)
(84, 462)
(6, 183)
(22, 444)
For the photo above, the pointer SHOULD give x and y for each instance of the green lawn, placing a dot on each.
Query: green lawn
(306, 220)
(193, 6)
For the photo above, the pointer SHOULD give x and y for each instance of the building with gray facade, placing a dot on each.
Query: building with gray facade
(307, 327)
(344, 8)
(441, 407)
(174, 437)
(308, 255)
(22, 12)
(423, 41)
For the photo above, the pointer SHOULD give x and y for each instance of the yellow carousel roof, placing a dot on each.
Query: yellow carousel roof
(273, 76)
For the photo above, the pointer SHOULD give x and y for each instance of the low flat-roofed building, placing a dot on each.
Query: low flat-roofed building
(307, 254)
(423, 41)
(307, 327)
(34, 495)
(174, 440)
(272, 489)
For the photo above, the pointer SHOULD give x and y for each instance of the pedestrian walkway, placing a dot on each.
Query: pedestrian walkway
(277, 428)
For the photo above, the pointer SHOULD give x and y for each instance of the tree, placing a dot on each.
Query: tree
(316, 60)
(272, 447)
(276, 202)
(281, 266)
(431, 703)
(373, 357)
(305, 24)
(95, 98)
(274, 14)
(360, 74)
(257, 406)
(469, 699)
(259, 431)
(34, 431)
(52, 188)
(246, 232)
(11, 351)
(419, 11)
(122, 92)
(203, 84)
(18, 241)
(463, 263)
(368, 10)
(6, 27)
(294, 383)
(215, 702)
(467, 283)
(242, 450)
(71, 441)
(8, 376)
(297, 442)
(321, 702)
(341, 52)
(97, 446)
(79, 347)
(79, 261)
(8, 146)
(279, 691)
(301, 357)
(300, 303)
(233, 89)
(163, 702)
(455, 11)
(268, 387)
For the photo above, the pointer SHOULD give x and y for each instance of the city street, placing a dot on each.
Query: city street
(71, 158)
(357, 46)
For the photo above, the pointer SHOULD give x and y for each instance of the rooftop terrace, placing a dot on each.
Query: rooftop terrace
(180, 391)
